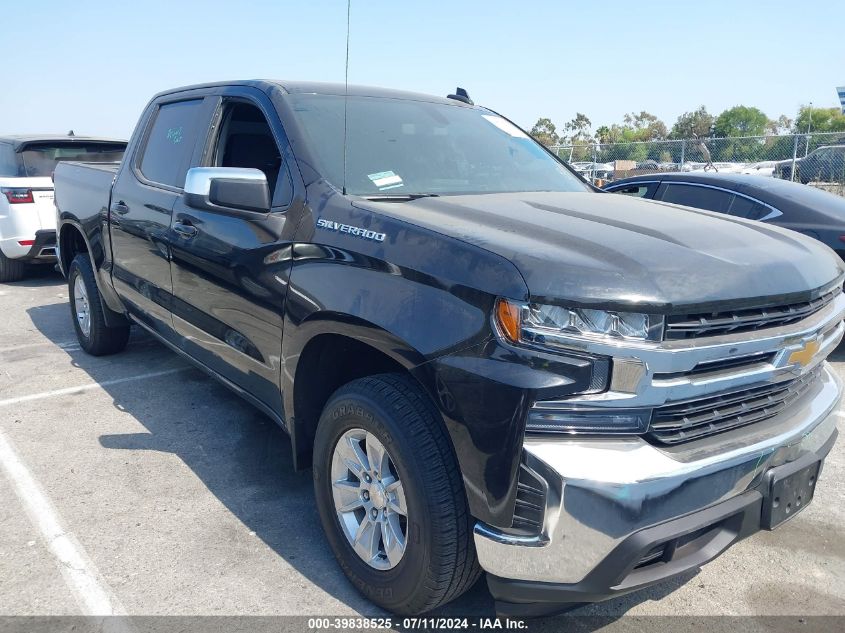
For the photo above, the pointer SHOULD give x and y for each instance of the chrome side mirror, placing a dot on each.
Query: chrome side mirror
(221, 188)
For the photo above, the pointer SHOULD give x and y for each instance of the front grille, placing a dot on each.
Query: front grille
(685, 326)
(694, 419)
(530, 509)
(713, 366)
(652, 556)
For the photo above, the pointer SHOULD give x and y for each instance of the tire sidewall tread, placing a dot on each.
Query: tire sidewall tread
(102, 339)
(439, 561)
(11, 269)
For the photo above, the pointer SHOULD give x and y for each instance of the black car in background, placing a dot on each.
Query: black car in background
(823, 164)
(807, 210)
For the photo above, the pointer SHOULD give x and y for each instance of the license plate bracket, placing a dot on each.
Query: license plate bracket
(790, 490)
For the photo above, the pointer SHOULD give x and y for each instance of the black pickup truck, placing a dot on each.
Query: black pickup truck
(488, 364)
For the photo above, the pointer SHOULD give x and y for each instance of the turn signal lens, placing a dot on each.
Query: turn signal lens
(508, 318)
(18, 196)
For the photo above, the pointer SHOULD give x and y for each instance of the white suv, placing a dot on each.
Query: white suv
(27, 212)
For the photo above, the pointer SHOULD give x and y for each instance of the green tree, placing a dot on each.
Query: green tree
(819, 120)
(741, 121)
(579, 129)
(545, 132)
(643, 126)
(690, 124)
(603, 134)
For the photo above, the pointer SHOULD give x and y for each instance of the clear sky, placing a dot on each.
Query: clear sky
(92, 65)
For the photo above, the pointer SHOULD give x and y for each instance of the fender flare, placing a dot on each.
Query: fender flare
(113, 309)
(298, 337)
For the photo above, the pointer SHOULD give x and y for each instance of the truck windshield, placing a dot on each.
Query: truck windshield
(403, 147)
(41, 159)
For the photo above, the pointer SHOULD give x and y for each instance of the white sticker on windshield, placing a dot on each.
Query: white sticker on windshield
(386, 180)
(505, 126)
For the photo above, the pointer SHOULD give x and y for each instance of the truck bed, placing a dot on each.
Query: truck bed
(84, 189)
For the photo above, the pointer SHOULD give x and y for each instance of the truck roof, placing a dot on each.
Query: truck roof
(315, 87)
(21, 140)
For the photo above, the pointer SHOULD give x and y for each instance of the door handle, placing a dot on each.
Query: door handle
(185, 229)
(120, 207)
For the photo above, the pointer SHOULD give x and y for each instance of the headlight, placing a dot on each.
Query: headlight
(549, 325)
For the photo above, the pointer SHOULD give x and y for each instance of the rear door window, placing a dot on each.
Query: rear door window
(698, 197)
(170, 143)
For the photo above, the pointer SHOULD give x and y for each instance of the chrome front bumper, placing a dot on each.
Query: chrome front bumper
(602, 491)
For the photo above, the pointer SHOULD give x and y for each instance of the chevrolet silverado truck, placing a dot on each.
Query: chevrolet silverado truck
(489, 365)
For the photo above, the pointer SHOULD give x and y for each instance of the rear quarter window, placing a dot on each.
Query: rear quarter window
(8, 161)
(170, 143)
(746, 208)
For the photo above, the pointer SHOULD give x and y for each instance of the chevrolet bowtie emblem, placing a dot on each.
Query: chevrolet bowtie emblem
(805, 355)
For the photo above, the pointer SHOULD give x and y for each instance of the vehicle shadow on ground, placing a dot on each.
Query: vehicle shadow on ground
(244, 460)
(39, 276)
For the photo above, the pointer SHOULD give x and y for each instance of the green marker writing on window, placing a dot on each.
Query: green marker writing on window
(174, 135)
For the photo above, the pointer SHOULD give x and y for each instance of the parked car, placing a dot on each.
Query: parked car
(27, 212)
(824, 164)
(763, 168)
(808, 210)
(598, 171)
(651, 165)
(486, 363)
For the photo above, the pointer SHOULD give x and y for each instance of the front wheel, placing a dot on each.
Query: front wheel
(95, 337)
(390, 495)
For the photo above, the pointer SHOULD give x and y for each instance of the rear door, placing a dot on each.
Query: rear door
(230, 275)
(146, 188)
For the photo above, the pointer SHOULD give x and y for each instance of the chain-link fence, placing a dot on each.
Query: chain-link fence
(817, 159)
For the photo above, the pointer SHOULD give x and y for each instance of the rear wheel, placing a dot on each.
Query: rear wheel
(95, 337)
(11, 269)
(390, 495)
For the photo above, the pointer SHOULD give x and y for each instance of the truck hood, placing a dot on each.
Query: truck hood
(618, 251)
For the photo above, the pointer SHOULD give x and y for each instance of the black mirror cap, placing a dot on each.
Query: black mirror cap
(236, 193)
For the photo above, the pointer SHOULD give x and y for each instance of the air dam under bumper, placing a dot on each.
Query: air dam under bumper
(44, 248)
(622, 514)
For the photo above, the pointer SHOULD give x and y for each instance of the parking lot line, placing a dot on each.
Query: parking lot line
(69, 345)
(88, 387)
(80, 574)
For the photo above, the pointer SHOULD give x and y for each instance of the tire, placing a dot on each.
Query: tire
(11, 269)
(100, 339)
(439, 562)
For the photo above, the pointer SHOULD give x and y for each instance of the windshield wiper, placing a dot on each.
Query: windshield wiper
(399, 197)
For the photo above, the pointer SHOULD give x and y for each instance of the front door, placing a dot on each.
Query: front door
(230, 267)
